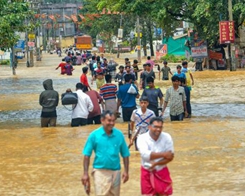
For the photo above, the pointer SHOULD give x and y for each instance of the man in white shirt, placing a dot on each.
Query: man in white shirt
(82, 109)
(156, 150)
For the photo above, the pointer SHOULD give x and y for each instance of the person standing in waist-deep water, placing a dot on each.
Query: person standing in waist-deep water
(49, 100)
(156, 150)
(94, 116)
(165, 71)
(84, 106)
(140, 120)
(125, 99)
(69, 67)
(153, 93)
(177, 97)
(147, 73)
(109, 93)
(108, 143)
(84, 78)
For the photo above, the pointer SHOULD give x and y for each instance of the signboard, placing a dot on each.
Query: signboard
(226, 32)
(99, 43)
(162, 51)
(20, 44)
(199, 49)
(215, 55)
(120, 33)
(31, 44)
(31, 36)
(84, 46)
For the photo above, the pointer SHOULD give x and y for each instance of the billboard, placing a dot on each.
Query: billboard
(226, 32)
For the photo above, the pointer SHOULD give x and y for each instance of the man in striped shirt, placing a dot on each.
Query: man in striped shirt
(109, 91)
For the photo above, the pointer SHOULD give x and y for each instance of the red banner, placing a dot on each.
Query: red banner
(226, 32)
(215, 55)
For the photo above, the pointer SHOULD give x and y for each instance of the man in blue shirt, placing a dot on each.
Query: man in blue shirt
(126, 99)
(107, 142)
(179, 73)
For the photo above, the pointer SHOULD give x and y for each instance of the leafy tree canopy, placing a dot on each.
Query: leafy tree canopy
(203, 14)
(13, 13)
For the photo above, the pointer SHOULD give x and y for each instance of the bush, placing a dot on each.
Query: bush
(4, 62)
(173, 59)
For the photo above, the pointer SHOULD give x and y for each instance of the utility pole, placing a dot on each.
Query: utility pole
(231, 45)
(138, 39)
(118, 52)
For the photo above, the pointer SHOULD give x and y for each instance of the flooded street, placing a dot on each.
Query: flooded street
(209, 147)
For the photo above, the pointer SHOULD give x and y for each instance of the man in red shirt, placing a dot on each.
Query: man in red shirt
(84, 79)
(62, 67)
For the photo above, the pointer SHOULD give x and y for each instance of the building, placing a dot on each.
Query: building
(58, 22)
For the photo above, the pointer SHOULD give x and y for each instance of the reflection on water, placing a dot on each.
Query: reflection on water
(209, 148)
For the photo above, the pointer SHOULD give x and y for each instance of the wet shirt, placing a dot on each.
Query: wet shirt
(153, 95)
(142, 120)
(188, 75)
(108, 91)
(165, 72)
(128, 100)
(84, 80)
(107, 148)
(180, 75)
(96, 100)
(176, 98)
(119, 78)
(145, 75)
(147, 145)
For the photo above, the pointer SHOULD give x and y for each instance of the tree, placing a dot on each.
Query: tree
(203, 14)
(104, 24)
(12, 16)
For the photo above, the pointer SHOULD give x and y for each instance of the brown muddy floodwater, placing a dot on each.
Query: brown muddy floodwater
(209, 148)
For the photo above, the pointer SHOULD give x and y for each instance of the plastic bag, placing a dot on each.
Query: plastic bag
(132, 90)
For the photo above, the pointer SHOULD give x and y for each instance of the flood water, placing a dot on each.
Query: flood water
(209, 147)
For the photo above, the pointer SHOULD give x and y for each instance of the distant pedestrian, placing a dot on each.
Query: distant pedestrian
(119, 76)
(156, 150)
(78, 58)
(69, 67)
(84, 79)
(112, 67)
(99, 75)
(147, 73)
(49, 100)
(188, 97)
(108, 143)
(188, 74)
(166, 71)
(62, 68)
(151, 62)
(176, 96)
(136, 69)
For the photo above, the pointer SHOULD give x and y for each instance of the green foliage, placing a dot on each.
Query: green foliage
(4, 62)
(106, 26)
(12, 16)
(167, 14)
(173, 59)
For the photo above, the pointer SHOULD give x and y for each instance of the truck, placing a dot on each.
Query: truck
(83, 42)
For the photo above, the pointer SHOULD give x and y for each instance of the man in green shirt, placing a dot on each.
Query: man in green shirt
(107, 142)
